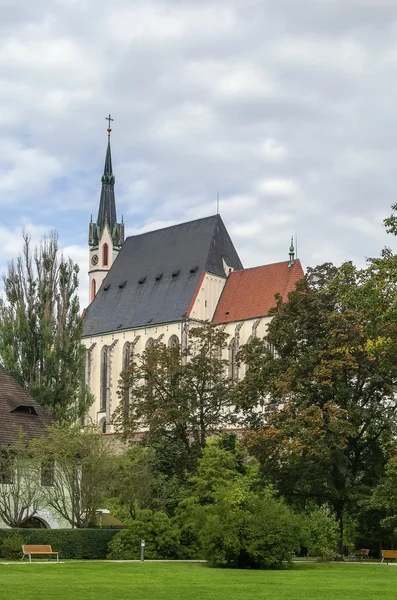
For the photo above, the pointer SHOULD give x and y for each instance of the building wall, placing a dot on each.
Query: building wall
(115, 344)
(207, 299)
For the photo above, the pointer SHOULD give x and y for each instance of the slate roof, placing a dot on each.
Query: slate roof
(19, 410)
(249, 293)
(155, 275)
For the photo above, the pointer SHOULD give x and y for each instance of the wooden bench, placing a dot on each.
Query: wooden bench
(362, 553)
(389, 555)
(38, 549)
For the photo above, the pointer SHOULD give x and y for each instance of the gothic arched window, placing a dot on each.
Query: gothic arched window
(104, 378)
(173, 342)
(127, 355)
(105, 255)
(93, 289)
(127, 359)
(149, 344)
(232, 354)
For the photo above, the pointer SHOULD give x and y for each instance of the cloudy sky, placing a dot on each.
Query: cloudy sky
(287, 107)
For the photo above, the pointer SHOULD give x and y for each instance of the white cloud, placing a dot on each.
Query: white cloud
(277, 187)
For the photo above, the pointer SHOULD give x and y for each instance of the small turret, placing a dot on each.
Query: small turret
(291, 253)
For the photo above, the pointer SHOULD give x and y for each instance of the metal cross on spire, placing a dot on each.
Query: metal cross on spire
(109, 119)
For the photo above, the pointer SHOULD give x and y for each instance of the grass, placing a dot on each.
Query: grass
(178, 581)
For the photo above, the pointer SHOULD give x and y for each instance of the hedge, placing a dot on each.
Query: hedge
(71, 543)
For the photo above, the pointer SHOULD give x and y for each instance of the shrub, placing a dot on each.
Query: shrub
(71, 543)
(11, 547)
(160, 534)
(321, 533)
(247, 530)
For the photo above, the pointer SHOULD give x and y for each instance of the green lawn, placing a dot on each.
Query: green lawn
(177, 581)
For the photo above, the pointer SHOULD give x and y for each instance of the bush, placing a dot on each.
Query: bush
(321, 533)
(161, 537)
(11, 547)
(70, 543)
(247, 530)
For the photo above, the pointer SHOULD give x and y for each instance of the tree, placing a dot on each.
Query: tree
(21, 494)
(134, 481)
(326, 381)
(180, 396)
(82, 474)
(41, 328)
(233, 522)
(384, 496)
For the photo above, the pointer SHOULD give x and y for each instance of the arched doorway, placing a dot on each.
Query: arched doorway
(35, 523)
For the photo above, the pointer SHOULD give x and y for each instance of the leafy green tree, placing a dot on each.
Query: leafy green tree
(82, 463)
(181, 396)
(321, 533)
(41, 328)
(384, 496)
(320, 390)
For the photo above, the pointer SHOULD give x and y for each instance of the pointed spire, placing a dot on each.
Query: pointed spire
(107, 207)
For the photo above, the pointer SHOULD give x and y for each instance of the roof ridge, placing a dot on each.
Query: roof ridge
(170, 226)
(216, 221)
(281, 262)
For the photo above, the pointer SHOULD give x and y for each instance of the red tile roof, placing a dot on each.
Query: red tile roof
(249, 293)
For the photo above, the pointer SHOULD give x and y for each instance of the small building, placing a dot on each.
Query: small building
(19, 411)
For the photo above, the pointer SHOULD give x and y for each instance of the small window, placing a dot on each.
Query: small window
(159, 276)
(105, 255)
(142, 280)
(122, 284)
(6, 467)
(107, 286)
(47, 473)
(176, 273)
(93, 289)
(25, 409)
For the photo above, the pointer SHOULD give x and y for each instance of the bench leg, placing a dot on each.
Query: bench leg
(57, 558)
(30, 557)
(383, 558)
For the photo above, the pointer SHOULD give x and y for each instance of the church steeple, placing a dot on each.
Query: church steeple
(106, 236)
(107, 205)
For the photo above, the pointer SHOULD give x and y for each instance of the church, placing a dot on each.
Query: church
(154, 286)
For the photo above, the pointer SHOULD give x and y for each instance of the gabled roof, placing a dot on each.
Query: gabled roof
(19, 410)
(155, 275)
(249, 293)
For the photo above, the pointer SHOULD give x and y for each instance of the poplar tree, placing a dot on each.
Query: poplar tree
(41, 328)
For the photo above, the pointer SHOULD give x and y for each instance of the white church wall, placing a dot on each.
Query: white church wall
(208, 297)
(115, 343)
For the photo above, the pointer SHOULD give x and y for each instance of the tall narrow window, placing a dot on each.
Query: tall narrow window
(127, 359)
(232, 360)
(105, 255)
(93, 289)
(104, 378)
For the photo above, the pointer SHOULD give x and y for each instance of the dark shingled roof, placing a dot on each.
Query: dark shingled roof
(19, 410)
(153, 279)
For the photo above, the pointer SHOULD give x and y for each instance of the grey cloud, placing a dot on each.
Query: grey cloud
(203, 95)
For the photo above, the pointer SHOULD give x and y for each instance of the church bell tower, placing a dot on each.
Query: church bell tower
(105, 236)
